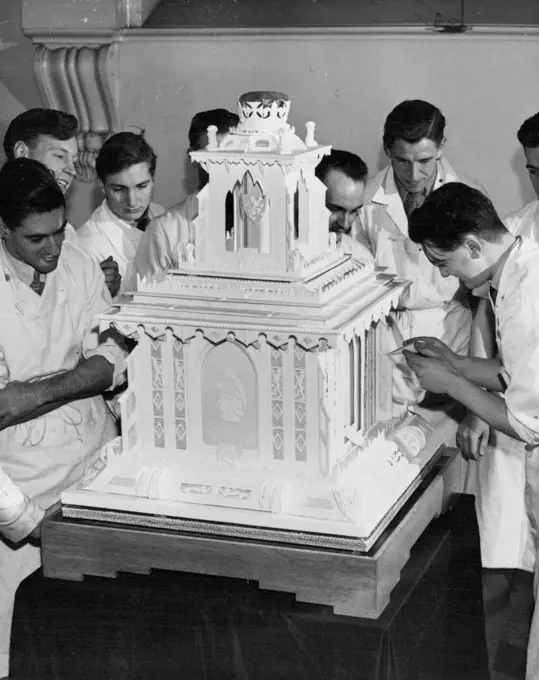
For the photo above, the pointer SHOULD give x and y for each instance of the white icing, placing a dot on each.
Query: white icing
(258, 377)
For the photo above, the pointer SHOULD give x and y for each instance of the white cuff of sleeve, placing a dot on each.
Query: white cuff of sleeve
(528, 434)
(17, 522)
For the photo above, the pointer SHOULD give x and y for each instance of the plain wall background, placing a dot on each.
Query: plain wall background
(18, 90)
(486, 85)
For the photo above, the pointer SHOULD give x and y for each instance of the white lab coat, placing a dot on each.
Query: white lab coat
(498, 478)
(71, 235)
(158, 247)
(106, 235)
(433, 305)
(517, 335)
(357, 250)
(525, 222)
(43, 335)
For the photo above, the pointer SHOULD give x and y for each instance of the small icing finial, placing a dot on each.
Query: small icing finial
(190, 253)
(284, 146)
(309, 137)
(212, 138)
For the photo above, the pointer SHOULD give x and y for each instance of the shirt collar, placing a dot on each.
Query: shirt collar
(495, 281)
(20, 270)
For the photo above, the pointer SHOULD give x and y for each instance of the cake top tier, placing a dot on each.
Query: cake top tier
(263, 111)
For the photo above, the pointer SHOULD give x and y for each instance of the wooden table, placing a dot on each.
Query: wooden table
(353, 584)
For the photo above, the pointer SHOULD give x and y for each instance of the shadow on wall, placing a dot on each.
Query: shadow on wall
(18, 88)
(82, 199)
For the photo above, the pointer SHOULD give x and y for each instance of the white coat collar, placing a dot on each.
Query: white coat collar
(384, 191)
(114, 229)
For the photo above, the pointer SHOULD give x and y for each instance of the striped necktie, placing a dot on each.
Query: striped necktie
(37, 284)
(413, 201)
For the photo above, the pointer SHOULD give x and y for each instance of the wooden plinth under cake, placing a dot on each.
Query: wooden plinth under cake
(354, 583)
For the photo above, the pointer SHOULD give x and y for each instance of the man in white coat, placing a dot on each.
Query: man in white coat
(158, 249)
(413, 140)
(126, 167)
(496, 473)
(54, 368)
(345, 177)
(526, 220)
(50, 137)
(462, 236)
(497, 478)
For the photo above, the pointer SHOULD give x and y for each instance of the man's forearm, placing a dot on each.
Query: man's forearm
(488, 406)
(28, 400)
(482, 372)
(89, 378)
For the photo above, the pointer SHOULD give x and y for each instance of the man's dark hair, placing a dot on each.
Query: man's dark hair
(413, 120)
(28, 126)
(27, 187)
(528, 134)
(450, 214)
(121, 151)
(348, 163)
(222, 119)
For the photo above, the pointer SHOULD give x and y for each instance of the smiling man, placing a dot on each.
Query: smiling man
(462, 236)
(125, 166)
(413, 139)
(54, 368)
(50, 137)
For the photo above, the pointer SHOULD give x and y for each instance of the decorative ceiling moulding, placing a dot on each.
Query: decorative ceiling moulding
(81, 80)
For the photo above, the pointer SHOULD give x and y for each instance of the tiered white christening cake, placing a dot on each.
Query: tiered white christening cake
(260, 388)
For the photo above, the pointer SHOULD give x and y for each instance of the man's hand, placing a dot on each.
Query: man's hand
(434, 374)
(435, 349)
(472, 437)
(113, 277)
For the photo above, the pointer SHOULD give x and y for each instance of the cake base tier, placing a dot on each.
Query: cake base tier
(353, 583)
(92, 505)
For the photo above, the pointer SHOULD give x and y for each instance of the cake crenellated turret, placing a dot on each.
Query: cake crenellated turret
(263, 111)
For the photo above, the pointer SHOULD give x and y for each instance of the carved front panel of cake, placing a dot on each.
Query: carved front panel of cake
(229, 398)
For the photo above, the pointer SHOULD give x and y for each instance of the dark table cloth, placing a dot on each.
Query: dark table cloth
(172, 625)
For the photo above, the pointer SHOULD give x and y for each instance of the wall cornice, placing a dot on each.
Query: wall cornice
(80, 79)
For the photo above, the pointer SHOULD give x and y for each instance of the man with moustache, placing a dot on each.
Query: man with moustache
(345, 176)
